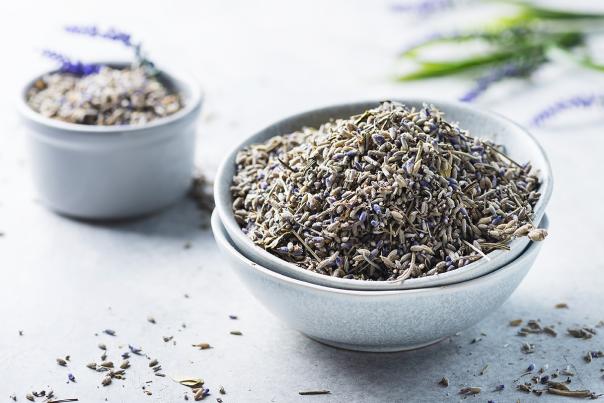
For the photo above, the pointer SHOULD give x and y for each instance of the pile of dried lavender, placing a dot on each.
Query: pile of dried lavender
(126, 96)
(390, 194)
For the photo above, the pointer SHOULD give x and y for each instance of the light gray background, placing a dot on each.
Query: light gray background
(62, 281)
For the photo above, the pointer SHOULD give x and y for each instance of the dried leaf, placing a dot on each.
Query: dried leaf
(191, 382)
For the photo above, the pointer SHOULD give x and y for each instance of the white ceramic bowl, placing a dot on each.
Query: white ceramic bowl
(113, 172)
(518, 142)
(377, 320)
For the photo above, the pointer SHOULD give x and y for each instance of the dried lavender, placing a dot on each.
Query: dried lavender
(390, 194)
(126, 96)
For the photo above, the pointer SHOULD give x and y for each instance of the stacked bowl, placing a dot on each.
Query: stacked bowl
(383, 315)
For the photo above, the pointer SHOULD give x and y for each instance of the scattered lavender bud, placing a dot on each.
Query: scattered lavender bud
(135, 350)
(363, 216)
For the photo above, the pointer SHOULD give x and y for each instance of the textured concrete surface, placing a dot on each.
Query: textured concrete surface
(62, 281)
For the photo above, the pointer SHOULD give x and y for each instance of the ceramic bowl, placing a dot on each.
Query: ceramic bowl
(519, 144)
(376, 320)
(114, 172)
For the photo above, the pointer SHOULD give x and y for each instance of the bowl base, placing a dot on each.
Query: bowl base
(375, 348)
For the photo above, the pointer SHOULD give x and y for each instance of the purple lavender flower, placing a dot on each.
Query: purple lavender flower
(378, 139)
(363, 216)
(135, 350)
(575, 102)
(69, 66)
(507, 70)
(423, 7)
(112, 34)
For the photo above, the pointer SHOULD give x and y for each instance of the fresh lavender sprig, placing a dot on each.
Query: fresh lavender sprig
(423, 7)
(575, 102)
(93, 31)
(69, 66)
(113, 34)
(507, 70)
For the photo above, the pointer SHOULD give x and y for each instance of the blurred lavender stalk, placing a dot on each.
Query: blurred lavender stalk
(423, 7)
(575, 102)
(93, 31)
(507, 70)
(113, 34)
(69, 66)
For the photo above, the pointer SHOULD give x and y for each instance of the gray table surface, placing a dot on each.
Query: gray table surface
(62, 282)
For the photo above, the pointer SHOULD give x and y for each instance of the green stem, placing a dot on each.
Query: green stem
(433, 69)
(582, 60)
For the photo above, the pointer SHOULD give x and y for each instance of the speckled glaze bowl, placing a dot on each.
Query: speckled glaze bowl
(519, 144)
(114, 172)
(377, 320)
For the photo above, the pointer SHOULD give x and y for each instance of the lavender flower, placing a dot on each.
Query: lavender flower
(508, 70)
(69, 66)
(423, 7)
(363, 216)
(135, 350)
(578, 101)
(112, 34)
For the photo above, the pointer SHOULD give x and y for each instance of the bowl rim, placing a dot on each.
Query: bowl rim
(188, 81)
(221, 236)
(233, 229)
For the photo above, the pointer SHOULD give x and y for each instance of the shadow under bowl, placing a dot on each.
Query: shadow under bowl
(378, 321)
(519, 144)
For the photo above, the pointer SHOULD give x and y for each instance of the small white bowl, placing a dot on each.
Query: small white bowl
(519, 145)
(377, 320)
(114, 172)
